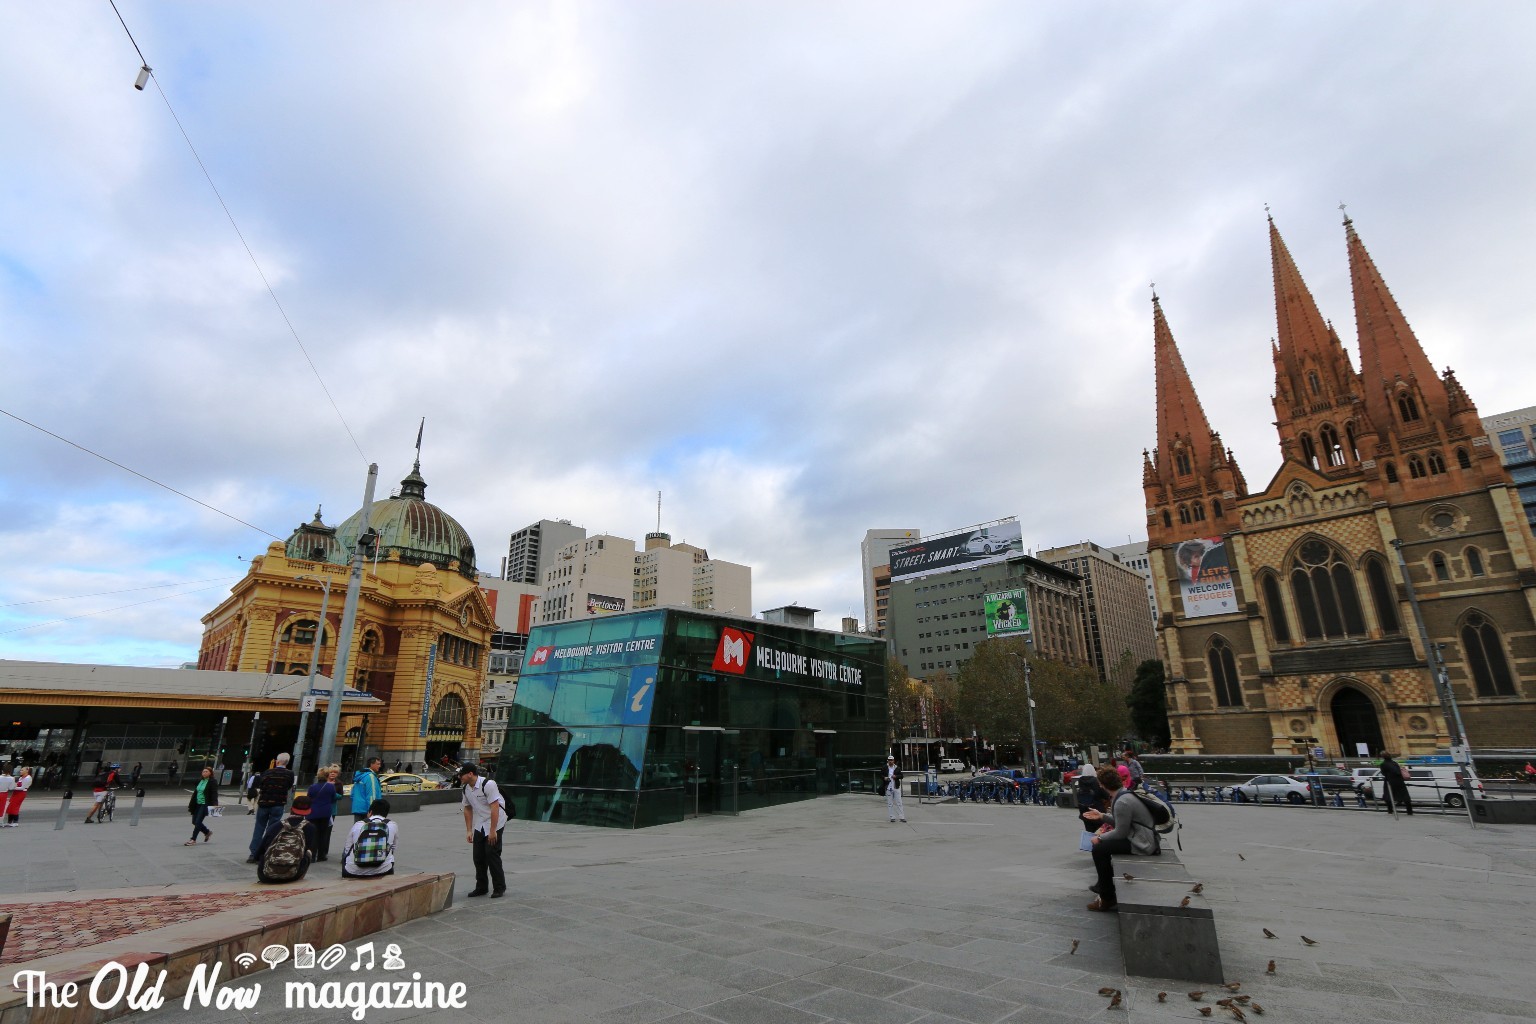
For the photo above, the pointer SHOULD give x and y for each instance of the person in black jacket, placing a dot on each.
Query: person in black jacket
(205, 794)
(1090, 797)
(893, 805)
(271, 797)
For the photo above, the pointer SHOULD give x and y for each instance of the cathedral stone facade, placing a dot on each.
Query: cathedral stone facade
(1288, 621)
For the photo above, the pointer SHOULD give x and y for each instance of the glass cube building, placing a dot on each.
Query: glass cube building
(655, 716)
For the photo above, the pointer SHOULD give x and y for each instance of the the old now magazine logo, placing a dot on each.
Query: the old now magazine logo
(734, 650)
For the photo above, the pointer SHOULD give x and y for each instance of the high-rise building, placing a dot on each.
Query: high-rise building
(1135, 556)
(664, 572)
(1286, 612)
(1513, 435)
(724, 587)
(1115, 623)
(875, 551)
(604, 575)
(532, 550)
(937, 620)
(587, 577)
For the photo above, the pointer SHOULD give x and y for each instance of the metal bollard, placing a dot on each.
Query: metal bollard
(58, 822)
(138, 805)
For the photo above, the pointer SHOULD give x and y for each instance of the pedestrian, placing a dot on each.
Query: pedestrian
(1396, 778)
(1128, 828)
(1090, 797)
(893, 806)
(1134, 766)
(397, 766)
(7, 787)
(251, 791)
(133, 777)
(370, 849)
(485, 816)
(365, 788)
(13, 808)
(322, 808)
(288, 848)
(99, 786)
(271, 798)
(205, 797)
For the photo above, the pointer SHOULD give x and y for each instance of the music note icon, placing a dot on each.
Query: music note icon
(357, 964)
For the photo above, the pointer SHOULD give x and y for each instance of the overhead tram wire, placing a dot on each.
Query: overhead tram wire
(108, 593)
(121, 607)
(240, 234)
(141, 476)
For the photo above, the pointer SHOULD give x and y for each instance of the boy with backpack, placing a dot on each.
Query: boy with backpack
(1132, 826)
(288, 847)
(370, 850)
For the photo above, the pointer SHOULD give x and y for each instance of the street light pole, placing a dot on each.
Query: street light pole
(1029, 695)
(348, 621)
(314, 665)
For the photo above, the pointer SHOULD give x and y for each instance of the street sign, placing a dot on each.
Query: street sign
(1317, 751)
(308, 703)
(345, 694)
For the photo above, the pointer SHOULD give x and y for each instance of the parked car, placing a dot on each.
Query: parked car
(1366, 781)
(1440, 784)
(1267, 787)
(951, 764)
(1330, 778)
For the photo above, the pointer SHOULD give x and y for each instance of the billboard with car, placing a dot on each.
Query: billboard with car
(961, 549)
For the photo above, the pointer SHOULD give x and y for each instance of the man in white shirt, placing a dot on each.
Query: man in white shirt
(893, 805)
(485, 815)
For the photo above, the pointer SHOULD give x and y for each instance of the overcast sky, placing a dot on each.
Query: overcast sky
(807, 268)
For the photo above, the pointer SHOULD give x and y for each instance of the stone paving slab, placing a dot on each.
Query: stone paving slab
(822, 911)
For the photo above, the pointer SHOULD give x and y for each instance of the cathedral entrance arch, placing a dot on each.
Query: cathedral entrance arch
(1355, 722)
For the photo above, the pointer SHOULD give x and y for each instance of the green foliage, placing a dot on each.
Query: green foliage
(1148, 703)
(1071, 705)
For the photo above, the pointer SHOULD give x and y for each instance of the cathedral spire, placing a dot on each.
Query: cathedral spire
(1399, 381)
(1306, 343)
(1180, 419)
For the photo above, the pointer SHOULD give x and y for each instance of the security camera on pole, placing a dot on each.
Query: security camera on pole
(365, 541)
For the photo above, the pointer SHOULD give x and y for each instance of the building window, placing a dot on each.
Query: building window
(1391, 468)
(1463, 459)
(1485, 655)
(1279, 626)
(1167, 519)
(1323, 588)
(1184, 514)
(1436, 464)
(1474, 562)
(1437, 562)
(1354, 447)
(1181, 460)
(1224, 678)
(1416, 467)
(1216, 508)
(1313, 383)
(1199, 511)
(301, 632)
(1308, 451)
(1331, 446)
(1382, 595)
(1407, 408)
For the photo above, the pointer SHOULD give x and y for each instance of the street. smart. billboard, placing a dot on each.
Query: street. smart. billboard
(1007, 613)
(963, 548)
(1205, 577)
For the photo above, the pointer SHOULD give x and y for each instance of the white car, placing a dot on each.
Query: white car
(1366, 780)
(1266, 787)
(1439, 784)
(951, 764)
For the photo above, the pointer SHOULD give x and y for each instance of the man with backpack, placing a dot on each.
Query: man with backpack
(288, 848)
(271, 797)
(1128, 828)
(485, 816)
(370, 849)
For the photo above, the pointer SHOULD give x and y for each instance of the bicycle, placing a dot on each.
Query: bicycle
(108, 805)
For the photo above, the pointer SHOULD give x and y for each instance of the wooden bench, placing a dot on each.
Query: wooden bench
(1159, 938)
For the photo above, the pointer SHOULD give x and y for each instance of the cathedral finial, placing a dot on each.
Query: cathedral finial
(1267, 215)
(1153, 286)
(1345, 212)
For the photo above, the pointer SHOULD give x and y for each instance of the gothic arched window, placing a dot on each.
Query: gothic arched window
(1279, 625)
(1184, 514)
(1485, 656)
(1407, 408)
(1224, 677)
(1167, 519)
(1181, 462)
(1382, 595)
(1463, 459)
(1436, 464)
(1215, 508)
(1354, 446)
(1323, 588)
(1416, 467)
(1331, 447)
(1474, 561)
(1442, 570)
(1391, 471)
(1308, 451)
(301, 632)
(1199, 511)
(1313, 382)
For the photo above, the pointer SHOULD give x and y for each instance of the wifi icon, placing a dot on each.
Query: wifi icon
(245, 961)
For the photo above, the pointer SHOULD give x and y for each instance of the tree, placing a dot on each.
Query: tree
(1072, 706)
(902, 696)
(1148, 703)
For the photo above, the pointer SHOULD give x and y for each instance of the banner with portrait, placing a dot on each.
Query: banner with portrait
(1205, 577)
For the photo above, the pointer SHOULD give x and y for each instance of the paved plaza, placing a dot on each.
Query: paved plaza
(823, 911)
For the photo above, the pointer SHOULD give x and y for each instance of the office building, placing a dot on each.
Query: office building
(1115, 623)
(1285, 611)
(1513, 435)
(532, 550)
(1135, 555)
(664, 572)
(874, 554)
(587, 577)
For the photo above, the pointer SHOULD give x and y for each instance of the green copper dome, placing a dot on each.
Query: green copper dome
(418, 529)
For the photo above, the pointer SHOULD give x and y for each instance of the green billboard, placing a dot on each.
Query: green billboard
(1007, 613)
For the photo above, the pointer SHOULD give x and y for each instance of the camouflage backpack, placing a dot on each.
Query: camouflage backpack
(284, 859)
